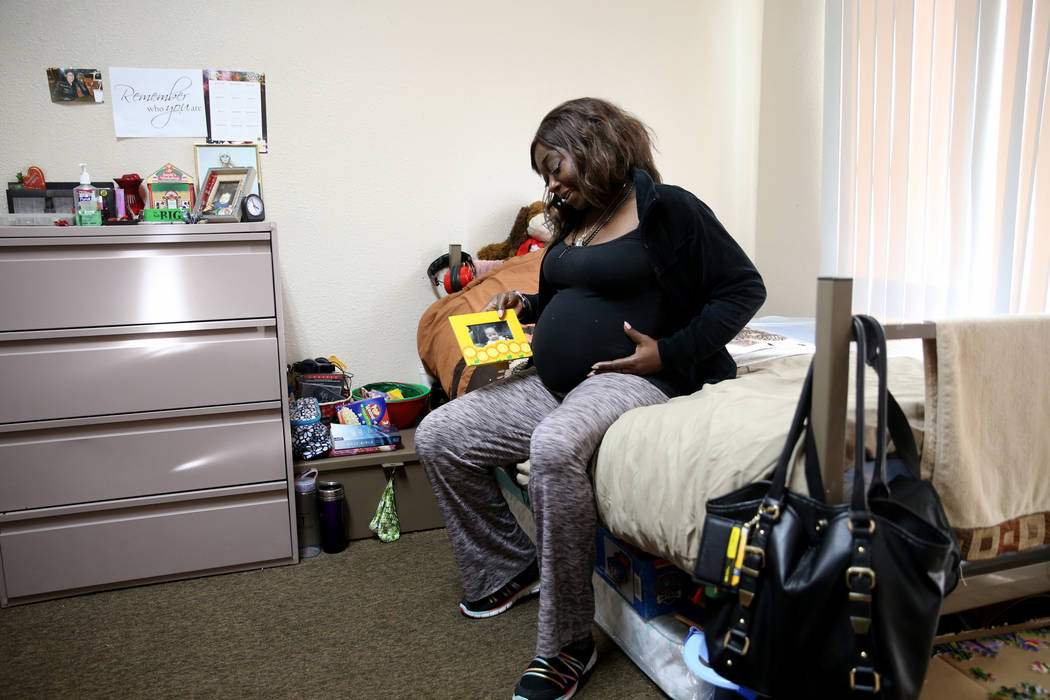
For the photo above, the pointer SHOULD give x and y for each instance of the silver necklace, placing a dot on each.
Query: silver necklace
(580, 242)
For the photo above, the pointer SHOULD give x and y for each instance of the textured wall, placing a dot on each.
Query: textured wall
(787, 230)
(397, 128)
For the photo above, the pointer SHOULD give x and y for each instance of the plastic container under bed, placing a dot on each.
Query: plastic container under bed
(655, 646)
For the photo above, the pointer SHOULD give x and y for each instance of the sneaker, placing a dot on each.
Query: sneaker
(557, 677)
(525, 584)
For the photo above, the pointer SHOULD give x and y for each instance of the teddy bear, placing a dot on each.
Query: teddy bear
(528, 233)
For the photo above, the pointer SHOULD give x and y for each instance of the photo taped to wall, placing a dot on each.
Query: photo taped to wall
(75, 85)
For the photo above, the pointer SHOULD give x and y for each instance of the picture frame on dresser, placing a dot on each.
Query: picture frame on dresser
(228, 155)
(221, 193)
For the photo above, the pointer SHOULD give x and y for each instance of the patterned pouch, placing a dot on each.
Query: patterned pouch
(304, 411)
(311, 440)
(384, 522)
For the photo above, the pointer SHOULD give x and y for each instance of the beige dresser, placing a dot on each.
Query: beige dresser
(142, 416)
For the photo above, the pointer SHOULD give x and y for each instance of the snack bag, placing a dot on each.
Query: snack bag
(371, 411)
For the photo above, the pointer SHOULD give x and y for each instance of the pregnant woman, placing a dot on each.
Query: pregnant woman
(639, 293)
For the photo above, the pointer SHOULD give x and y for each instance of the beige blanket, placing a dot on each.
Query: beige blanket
(988, 430)
(657, 466)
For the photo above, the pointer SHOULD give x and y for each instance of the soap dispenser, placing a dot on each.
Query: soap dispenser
(86, 201)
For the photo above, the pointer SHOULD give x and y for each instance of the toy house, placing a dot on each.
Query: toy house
(170, 188)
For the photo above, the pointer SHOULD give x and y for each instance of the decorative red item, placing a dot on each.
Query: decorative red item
(405, 411)
(130, 183)
(34, 179)
(530, 244)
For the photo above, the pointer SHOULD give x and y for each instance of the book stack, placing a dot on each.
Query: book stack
(362, 439)
(363, 427)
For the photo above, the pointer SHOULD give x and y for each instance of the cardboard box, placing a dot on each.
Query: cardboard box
(653, 586)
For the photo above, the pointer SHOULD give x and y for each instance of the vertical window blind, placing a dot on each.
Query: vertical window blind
(936, 170)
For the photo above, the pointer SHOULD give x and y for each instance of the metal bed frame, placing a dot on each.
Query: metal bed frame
(1006, 577)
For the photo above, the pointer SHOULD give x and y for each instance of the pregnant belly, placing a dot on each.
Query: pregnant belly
(576, 330)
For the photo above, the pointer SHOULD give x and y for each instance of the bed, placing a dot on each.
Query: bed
(990, 474)
(985, 445)
(657, 466)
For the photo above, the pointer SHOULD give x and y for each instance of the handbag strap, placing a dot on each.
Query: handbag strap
(814, 481)
(892, 422)
(903, 439)
(778, 485)
(860, 576)
(761, 526)
(871, 354)
(868, 354)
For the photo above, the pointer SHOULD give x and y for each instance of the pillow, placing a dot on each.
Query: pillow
(435, 341)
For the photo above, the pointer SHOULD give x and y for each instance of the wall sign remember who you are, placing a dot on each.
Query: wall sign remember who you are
(157, 102)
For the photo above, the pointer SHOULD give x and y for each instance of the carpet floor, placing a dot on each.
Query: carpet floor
(375, 621)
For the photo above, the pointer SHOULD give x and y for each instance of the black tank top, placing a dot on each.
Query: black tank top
(597, 288)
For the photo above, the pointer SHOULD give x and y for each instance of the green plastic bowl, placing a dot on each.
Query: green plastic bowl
(403, 412)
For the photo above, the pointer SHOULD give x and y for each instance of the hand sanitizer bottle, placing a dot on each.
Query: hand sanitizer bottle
(85, 201)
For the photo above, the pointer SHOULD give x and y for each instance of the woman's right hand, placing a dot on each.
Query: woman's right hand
(504, 300)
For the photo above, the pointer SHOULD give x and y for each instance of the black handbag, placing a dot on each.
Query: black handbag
(829, 600)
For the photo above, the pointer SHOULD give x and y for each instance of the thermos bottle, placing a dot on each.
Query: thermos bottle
(332, 502)
(306, 514)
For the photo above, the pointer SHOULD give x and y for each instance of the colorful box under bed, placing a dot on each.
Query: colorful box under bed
(653, 586)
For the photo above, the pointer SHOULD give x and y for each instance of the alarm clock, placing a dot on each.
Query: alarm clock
(252, 208)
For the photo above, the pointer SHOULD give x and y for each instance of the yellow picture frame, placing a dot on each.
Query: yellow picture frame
(484, 337)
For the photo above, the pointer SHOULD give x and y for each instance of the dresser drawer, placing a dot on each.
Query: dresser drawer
(75, 551)
(58, 464)
(117, 370)
(80, 285)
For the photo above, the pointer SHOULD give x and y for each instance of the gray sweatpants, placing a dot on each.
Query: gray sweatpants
(507, 422)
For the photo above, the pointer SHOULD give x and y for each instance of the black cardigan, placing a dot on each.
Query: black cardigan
(710, 286)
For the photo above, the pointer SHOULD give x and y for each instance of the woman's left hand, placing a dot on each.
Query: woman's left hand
(645, 359)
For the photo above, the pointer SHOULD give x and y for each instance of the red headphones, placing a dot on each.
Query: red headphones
(452, 282)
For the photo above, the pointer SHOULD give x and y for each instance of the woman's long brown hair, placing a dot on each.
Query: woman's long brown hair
(605, 142)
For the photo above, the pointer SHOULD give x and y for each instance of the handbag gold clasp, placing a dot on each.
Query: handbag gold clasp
(859, 571)
(752, 549)
(871, 525)
(772, 511)
(875, 684)
(747, 642)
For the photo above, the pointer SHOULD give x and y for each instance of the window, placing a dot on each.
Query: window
(936, 183)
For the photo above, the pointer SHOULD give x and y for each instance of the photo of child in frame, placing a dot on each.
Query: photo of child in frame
(221, 203)
(486, 333)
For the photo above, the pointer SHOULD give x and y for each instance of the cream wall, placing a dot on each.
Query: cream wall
(787, 228)
(397, 128)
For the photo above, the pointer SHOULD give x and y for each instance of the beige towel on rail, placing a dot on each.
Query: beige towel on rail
(987, 430)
